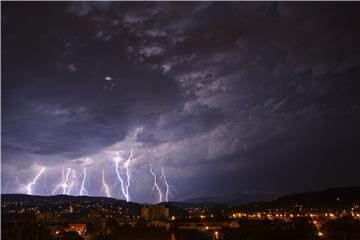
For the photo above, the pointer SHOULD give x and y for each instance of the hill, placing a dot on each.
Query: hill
(329, 198)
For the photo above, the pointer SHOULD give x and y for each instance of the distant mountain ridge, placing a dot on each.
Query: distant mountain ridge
(331, 195)
(326, 198)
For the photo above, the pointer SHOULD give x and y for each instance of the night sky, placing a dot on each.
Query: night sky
(224, 98)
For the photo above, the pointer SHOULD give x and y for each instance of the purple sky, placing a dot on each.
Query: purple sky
(226, 98)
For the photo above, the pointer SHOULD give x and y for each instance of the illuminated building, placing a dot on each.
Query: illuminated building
(77, 227)
(155, 212)
(145, 212)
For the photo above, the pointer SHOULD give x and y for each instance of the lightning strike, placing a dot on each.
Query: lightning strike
(65, 183)
(61, 183)
(128, 175)
(72, 182)
(83, 190)
(35, 180)
(105, 185)
(123, 190)
(166, 185)
(117, 159)
(156, 186)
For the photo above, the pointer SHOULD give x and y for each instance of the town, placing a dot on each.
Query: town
(88, 218)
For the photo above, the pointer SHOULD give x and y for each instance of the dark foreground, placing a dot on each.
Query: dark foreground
(249, 229)
(331, 214)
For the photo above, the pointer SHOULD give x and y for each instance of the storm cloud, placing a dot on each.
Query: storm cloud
(225, 97)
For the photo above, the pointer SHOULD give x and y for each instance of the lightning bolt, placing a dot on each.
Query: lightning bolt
(128, 175)
(165, 181)
(123, 172)
(166, 184)
(83, 190)
(105, 185)
(64, 185)
(123, 189)
(156, 186)
(61, 183)
(72, 182)
(35, 180)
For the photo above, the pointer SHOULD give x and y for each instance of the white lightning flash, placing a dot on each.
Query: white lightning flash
(106, 187)
(128, 175)
(65, 183)
(72, 182)
(35, 180)
(83, 190)
(156, 186)
(123, 172)
(61, 183)
(166, 185)
(122, 183)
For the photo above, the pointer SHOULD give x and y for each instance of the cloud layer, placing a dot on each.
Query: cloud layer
(225, 97)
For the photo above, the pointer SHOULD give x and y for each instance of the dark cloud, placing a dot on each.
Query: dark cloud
(217, 94)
